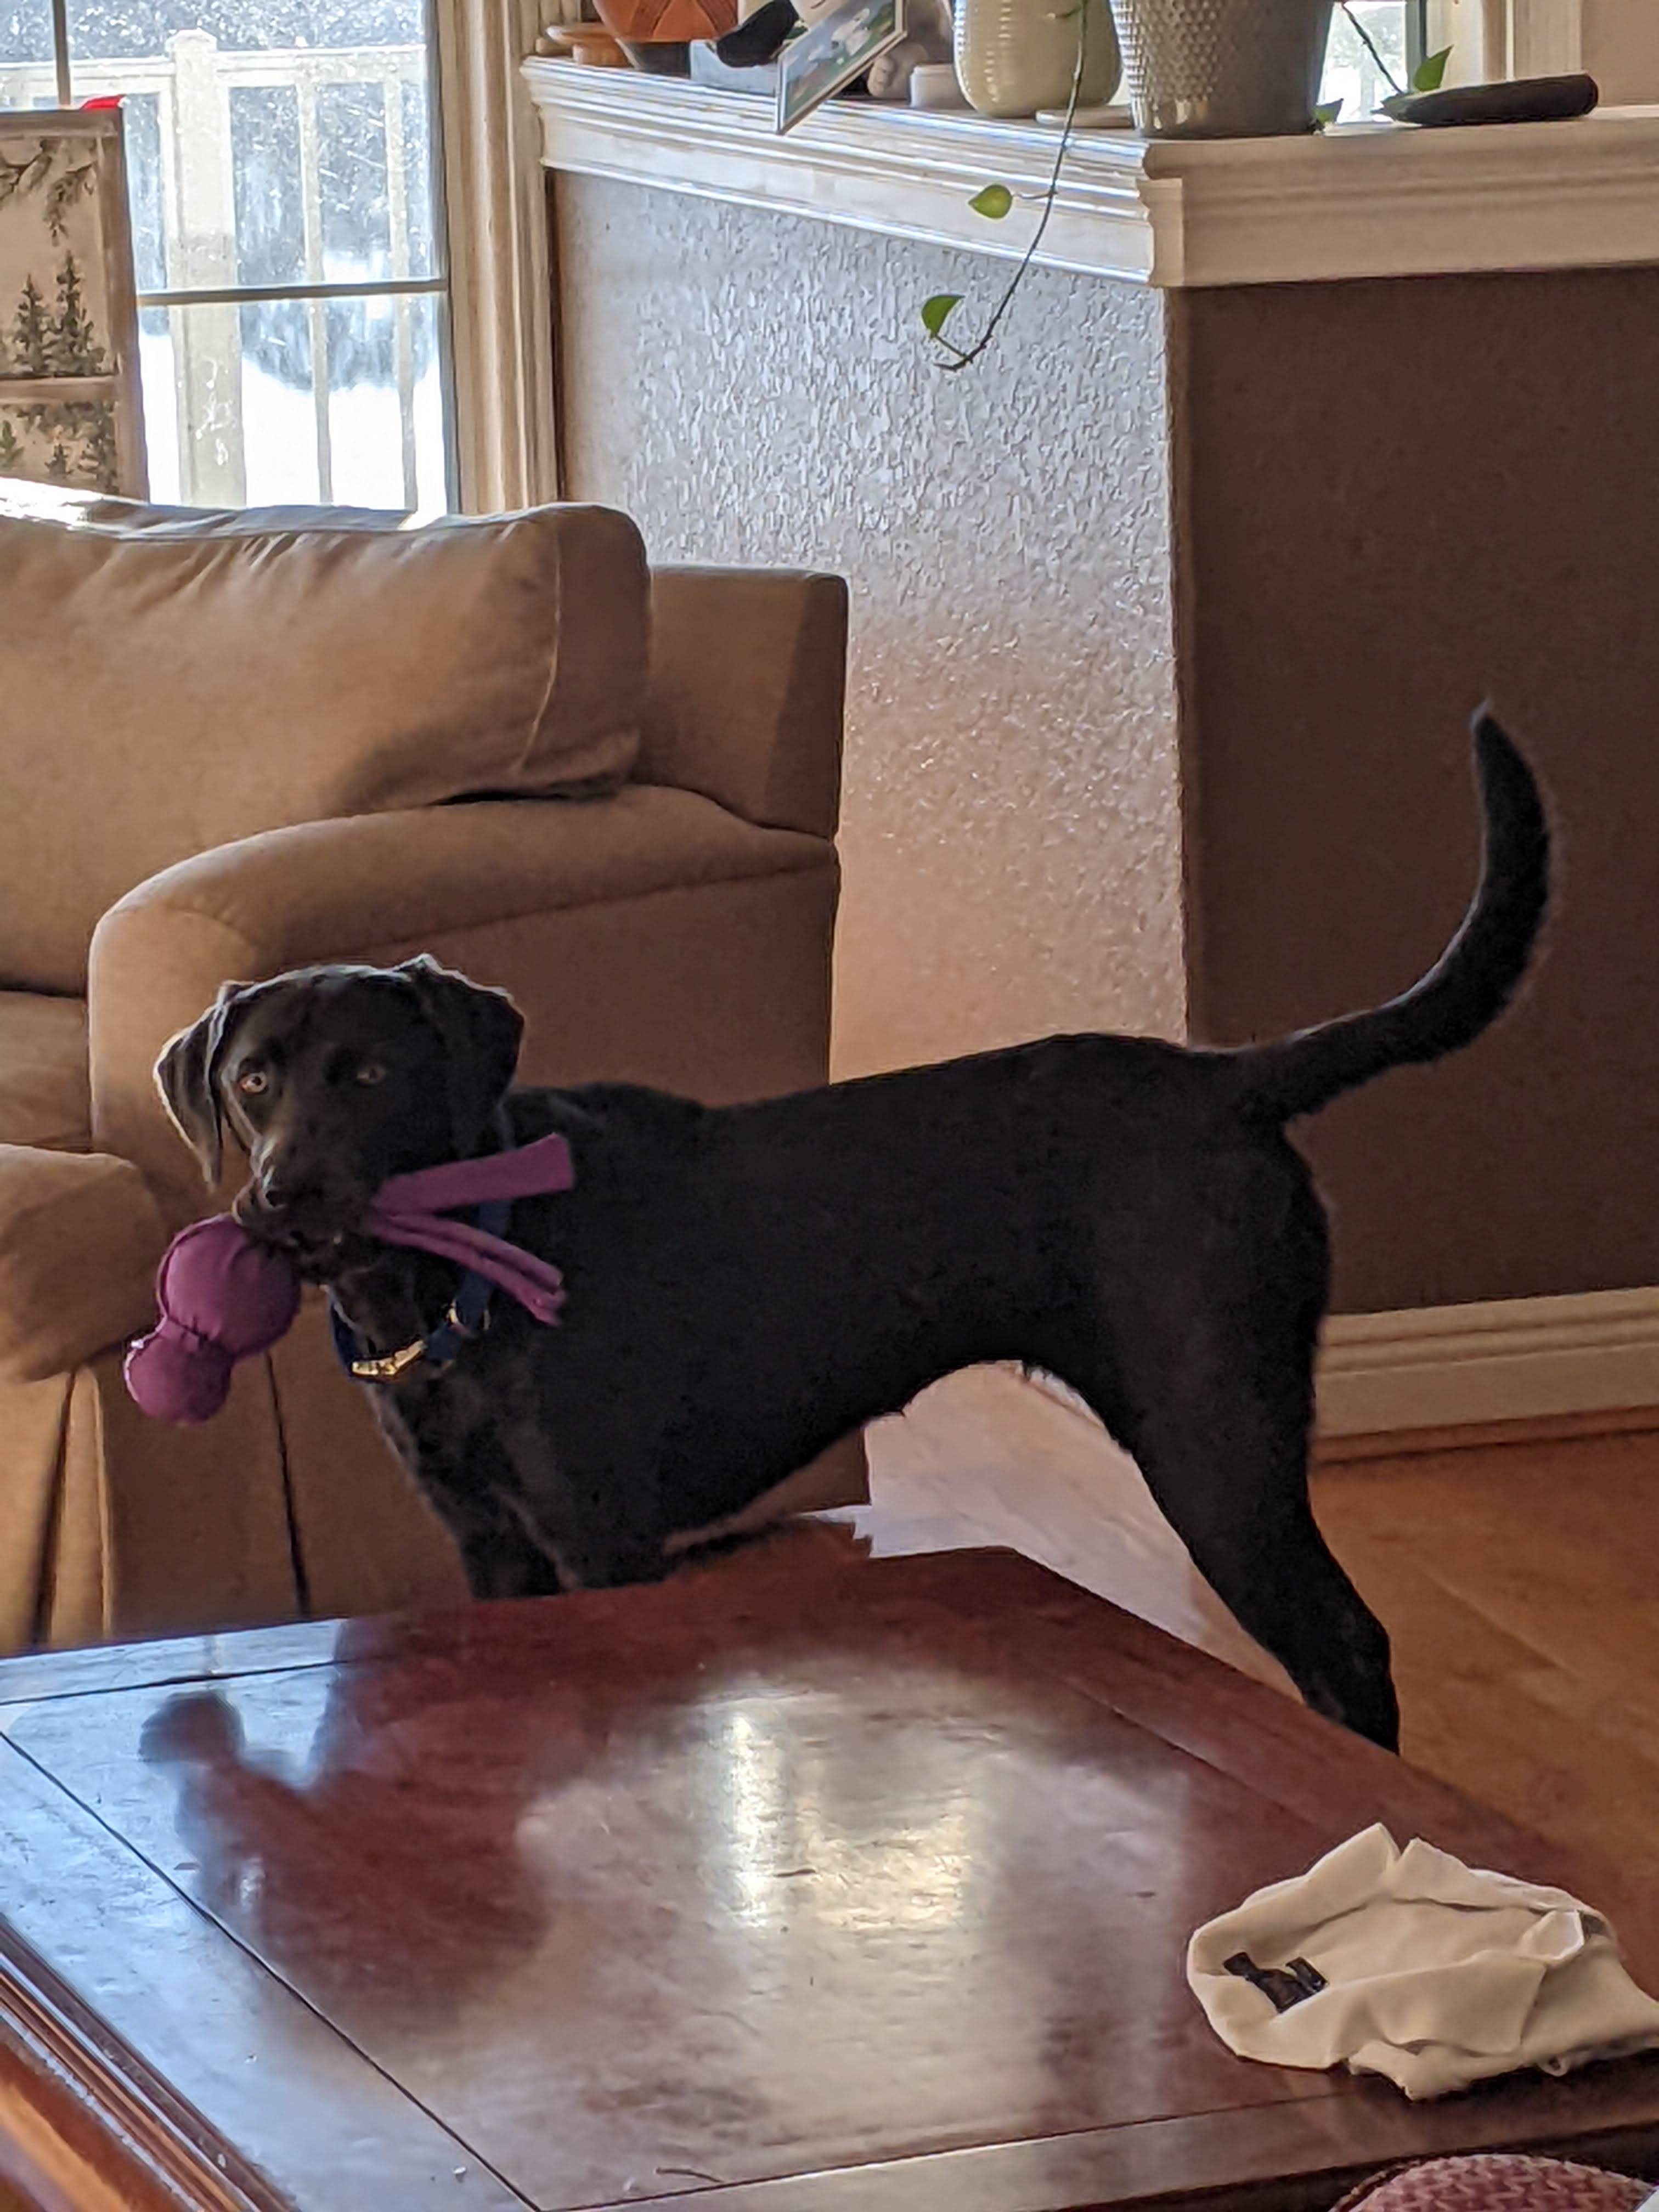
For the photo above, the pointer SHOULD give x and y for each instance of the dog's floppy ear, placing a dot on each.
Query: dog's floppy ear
(482, 1030)
(187, 1077)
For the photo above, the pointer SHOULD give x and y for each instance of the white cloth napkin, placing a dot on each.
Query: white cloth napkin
(1435, 1974)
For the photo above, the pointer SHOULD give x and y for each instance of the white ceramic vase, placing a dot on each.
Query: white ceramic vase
(1015, 57)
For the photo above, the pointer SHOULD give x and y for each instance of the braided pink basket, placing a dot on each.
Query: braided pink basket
(1497, 2183)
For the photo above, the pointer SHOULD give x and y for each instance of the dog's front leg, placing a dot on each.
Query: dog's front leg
(467, 1480)
(500, 1555)
(594, 1506)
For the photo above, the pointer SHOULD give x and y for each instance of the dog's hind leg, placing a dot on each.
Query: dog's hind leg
(1229, 1473)
(1207, 1378)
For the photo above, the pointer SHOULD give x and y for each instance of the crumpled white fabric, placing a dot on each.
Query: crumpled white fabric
(1437, 1974)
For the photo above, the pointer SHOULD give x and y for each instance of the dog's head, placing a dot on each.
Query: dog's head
(330, 1080)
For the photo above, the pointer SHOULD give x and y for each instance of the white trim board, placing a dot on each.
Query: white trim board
(1365, 200)
(1517, 1359)
(1472, 1366)
(500, 325)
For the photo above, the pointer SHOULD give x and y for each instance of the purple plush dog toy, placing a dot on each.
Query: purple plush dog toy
(222, 1296)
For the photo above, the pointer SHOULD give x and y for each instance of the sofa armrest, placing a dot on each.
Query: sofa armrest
(80, 1238)
(747, 692)
(375, 887)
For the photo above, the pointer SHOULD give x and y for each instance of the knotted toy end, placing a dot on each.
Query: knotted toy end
(221, 1297)
(175, 1376)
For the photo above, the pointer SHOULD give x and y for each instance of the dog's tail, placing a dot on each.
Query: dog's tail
(1468, 988)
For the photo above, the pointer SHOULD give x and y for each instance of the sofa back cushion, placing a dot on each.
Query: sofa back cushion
(170, 684)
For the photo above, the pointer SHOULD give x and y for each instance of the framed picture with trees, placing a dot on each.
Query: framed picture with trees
(70, 409)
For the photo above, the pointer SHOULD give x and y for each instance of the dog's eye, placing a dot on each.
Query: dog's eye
(370, 1073)
(251, 1081)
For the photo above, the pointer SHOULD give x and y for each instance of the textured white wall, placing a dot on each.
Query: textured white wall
(755, 388)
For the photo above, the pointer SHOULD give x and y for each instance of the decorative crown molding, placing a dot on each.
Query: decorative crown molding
(1365, 201)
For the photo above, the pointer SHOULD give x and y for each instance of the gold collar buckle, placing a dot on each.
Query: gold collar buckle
(390, 1366)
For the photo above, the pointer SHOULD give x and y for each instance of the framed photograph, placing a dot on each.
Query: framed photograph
(70, 409)
(839, 47)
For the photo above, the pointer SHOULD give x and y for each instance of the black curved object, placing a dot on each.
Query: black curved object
(1527, 100)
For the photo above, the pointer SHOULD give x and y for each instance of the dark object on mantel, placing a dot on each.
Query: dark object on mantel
(1525, 100)
(659, 56)
(759, 38)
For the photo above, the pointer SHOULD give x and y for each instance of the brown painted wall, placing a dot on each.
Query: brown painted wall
(1394, 497)
(754, 387)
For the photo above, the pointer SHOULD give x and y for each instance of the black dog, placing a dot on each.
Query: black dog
(748, 1285)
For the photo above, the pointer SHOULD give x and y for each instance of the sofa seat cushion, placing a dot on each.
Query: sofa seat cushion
(174, 687)
(43, 1096)
(347, 890)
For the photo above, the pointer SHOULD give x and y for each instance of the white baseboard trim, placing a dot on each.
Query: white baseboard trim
(1514, 1359)
(1454, 1367)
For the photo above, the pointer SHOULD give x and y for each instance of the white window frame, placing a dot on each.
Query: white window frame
(1543, 37)
(1493, 39)
(500, 271)
(492, 210)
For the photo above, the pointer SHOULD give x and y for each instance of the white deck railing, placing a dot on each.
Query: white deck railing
(192, 85)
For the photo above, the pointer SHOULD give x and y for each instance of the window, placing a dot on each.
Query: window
(1396, 29)
(288, 232)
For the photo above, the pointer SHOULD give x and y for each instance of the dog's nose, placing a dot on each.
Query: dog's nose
(298, 1193)
(283, 1187)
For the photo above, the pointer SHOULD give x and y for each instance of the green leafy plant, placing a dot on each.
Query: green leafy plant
(996, 201)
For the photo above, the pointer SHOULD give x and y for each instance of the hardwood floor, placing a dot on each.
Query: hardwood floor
(1516, 1578)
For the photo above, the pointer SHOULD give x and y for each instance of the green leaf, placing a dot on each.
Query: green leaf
(1325, 115)
(993, 202)
(1430, 72)
(936, 312)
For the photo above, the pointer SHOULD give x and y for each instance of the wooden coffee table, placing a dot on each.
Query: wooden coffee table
(801, 1885)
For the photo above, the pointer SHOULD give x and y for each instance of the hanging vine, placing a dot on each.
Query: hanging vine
(994, 202)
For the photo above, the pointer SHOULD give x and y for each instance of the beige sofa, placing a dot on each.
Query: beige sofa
(233, 745)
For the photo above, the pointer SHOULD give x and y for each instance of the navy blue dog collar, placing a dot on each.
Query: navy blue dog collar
(468, 1317)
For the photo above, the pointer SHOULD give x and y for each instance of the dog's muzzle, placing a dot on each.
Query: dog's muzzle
(320, 1237)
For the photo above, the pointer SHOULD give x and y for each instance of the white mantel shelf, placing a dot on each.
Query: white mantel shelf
(1364, 201)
